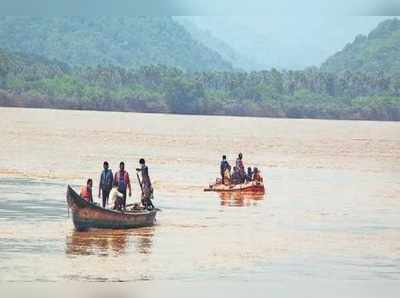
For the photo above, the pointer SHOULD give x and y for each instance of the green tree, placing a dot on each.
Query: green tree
(183, 96)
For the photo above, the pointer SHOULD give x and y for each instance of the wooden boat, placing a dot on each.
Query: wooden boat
(86, 215)
(248, 187)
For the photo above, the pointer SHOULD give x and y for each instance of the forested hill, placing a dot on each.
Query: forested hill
(118, 83)
(30, 81)
(28, 67)
(379, 51)
(129, 42)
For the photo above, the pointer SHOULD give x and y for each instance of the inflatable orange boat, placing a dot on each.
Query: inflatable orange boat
(248, 187)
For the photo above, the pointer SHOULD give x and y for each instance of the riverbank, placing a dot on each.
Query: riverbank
(385, 112)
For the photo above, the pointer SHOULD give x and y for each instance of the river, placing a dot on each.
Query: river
(331, 210)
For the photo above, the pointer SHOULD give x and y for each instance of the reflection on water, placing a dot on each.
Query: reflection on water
(109, 242)
(96, 242)
(240, 199)
(143, 239)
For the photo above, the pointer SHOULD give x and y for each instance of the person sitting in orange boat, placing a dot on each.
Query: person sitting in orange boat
(249, 175)
(122, 180)
(86, 191)
(227, 177)
(236, 178)
(257, 175)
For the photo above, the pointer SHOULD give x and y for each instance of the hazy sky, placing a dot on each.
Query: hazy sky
(283, 34)
(293, 7)
(287, 41)
(198, 7)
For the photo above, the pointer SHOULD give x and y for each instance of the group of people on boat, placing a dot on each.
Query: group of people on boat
(118, 186)
(239, 175)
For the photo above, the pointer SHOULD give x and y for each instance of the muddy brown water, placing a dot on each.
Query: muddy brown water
(331, 211)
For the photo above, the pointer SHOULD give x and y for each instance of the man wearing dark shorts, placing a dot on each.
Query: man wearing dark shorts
(147, 189)
(121, 179)
(106, 183)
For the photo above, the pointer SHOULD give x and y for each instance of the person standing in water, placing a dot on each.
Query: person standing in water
(106, 183)
(147, 189)
(121, 179)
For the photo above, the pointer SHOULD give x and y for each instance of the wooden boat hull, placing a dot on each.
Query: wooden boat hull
(250, 187)
(86, 215)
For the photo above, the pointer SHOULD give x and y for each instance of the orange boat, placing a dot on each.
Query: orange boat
(247, 187)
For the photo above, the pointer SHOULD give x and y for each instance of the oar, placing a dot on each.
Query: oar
(141, 187)
(140, 183)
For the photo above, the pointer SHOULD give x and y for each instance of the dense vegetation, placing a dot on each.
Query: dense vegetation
(379, 51)
(27, 80)
(129, 42)
(33, 82)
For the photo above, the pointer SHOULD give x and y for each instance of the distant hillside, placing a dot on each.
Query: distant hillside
(28, 67)
(285, 42)
(379, 51)
(123, 41)
(30, 81)
(207, 38)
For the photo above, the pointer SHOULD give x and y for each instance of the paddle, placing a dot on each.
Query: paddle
(140, 183)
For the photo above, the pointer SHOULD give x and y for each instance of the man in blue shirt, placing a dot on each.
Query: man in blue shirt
(106, 183)
(223, 167)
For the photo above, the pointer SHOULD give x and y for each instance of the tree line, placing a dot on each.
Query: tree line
(26, 82)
